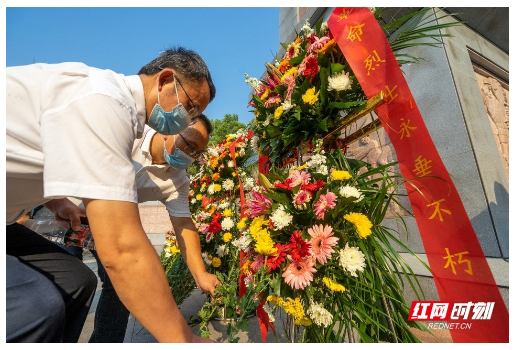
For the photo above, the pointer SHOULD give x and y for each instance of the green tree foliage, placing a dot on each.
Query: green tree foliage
(222, 127)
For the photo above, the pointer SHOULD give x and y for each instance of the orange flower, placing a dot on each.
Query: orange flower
(213, 162)
(284, 65)
(212, 210)
(216, 176)
(328, 45)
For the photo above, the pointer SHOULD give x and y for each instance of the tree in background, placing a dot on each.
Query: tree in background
(230, 124)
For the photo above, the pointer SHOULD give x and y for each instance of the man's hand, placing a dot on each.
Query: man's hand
(65, 210)
(207, 282)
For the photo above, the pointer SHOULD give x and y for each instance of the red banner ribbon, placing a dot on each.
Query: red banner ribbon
(461, 272)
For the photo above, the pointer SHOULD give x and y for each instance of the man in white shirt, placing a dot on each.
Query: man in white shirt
(70, 130)
(157, 181)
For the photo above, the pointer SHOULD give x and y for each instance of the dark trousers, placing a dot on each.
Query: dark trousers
(111, 316)
(48, 291)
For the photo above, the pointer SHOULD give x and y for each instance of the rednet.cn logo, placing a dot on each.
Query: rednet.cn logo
(449, 311)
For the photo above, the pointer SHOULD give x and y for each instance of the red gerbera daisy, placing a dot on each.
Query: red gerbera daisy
(299, 247)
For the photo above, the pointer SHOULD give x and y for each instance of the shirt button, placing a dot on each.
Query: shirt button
(155, 190)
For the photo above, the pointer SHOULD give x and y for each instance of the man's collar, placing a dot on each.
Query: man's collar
(136, 88)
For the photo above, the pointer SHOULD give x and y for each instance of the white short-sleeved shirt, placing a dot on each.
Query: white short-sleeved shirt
(159, 182)
(70, 130)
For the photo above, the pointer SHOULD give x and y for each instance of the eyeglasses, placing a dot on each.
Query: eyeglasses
(194, 152)
(193, 112)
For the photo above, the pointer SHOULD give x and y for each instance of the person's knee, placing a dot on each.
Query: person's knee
(35, 309)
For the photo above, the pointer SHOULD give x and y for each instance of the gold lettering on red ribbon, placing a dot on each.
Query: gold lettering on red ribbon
(451, 263)
(356, 32)
(372, 61)
(405, 127)
(422, 166)
(344, 14)
(389, 97)
(438, 210)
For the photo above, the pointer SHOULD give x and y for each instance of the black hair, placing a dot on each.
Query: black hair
(205, 121)
(186, 62)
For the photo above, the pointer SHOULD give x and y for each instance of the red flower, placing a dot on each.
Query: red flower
(214, 227)
(299, 247)
(278, 258)
(284, 185)
(311, 67)
(313, 187)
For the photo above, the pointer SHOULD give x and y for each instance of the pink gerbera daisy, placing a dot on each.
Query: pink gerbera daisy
(326, 201)
(299, 274)
(322, 242)
(299, 178)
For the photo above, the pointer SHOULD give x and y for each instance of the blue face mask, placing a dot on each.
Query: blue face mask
(169, 123)
(179, 160)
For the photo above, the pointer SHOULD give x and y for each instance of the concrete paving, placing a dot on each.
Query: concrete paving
(136, 333)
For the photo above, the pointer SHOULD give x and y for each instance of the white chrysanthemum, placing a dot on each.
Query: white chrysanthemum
(307, 30)
(248, 181)
(254, 144)
(254, 83)
(227, 224)
(193, 200)
(243, 243)
(241, 152)
(230, 164)
(339, 82)
(352, 260)
(269, 310)
(228, 184)
(348, 191)
(319, 314)
(281, 218)
(210, 189)
(221, 250)
(287, 105)
(224, 205)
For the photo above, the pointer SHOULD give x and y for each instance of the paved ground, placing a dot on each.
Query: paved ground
(136, 333)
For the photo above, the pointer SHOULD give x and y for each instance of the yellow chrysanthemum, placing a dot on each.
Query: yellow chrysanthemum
(203, 187)
(310, 97)
(265, 246)
(241, 224)
(173, 250)
(217, 187)
(332, 285)
(227, 212)
(340, 175)
(278, 112)
(275, 300)
(227, 237)
(234, 173)
(294, 308)
(361, 222)
(216, 262)
(230, 137)
(303, 321)
(199, 197)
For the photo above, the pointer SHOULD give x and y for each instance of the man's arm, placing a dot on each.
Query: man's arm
(189, 244)
(135, 269)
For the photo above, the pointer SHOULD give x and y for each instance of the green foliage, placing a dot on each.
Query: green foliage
(223, 127)
(179, 278)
